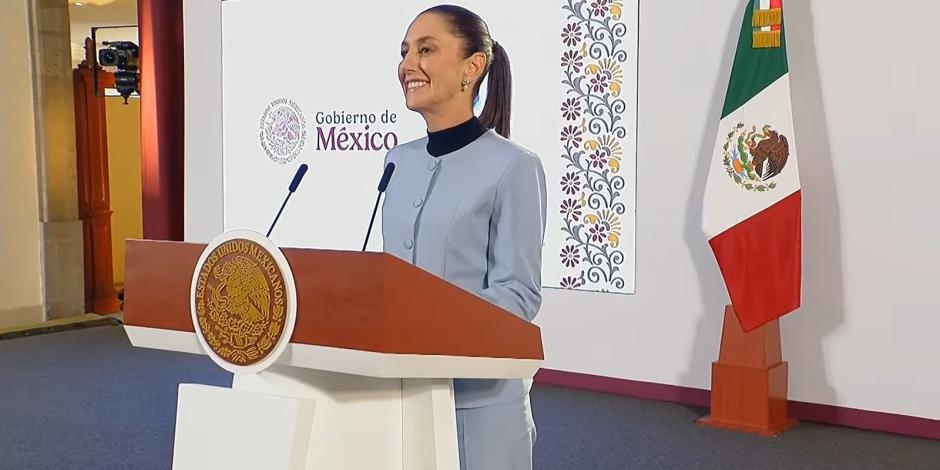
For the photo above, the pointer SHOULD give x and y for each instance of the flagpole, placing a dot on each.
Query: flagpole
(752, 218)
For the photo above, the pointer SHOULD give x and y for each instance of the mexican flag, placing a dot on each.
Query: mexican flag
(752, 197)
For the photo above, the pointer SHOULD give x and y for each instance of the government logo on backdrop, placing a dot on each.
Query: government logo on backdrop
(283, 130)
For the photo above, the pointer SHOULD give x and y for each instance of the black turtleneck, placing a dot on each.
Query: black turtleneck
(454, 138)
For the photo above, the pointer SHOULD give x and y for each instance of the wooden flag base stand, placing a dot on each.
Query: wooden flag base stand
(749, 381)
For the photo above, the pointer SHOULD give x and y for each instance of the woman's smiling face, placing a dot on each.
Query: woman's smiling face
(433, 66)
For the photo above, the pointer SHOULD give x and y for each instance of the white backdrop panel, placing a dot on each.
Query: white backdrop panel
(293, 68)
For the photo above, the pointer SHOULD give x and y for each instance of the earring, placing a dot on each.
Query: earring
(464, 84)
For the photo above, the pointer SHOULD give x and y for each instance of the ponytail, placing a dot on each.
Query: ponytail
(497, 109)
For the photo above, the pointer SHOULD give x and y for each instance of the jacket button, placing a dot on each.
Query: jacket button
(418, 202)
(409, 244)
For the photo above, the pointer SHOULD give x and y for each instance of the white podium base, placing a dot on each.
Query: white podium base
(214, 423)
(360, 423)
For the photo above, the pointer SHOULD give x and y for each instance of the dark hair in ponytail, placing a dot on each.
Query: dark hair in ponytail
(498, 106)
(469, 27)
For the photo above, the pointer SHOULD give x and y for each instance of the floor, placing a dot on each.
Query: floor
(86, 399)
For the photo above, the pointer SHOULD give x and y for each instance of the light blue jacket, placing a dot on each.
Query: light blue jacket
(475, 218)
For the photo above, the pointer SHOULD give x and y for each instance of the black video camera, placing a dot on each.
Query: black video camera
(124, 55)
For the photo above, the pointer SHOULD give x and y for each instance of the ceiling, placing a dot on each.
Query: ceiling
(100, 13)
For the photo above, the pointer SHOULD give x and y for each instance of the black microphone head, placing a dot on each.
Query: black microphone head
(297, 177)
(386, 176)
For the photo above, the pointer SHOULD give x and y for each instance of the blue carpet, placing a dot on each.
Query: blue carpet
(86, 399)
(586, 430)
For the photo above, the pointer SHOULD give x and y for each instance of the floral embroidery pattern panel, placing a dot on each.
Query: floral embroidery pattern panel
(598, 146)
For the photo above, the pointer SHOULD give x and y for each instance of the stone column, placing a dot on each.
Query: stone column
(61, 229)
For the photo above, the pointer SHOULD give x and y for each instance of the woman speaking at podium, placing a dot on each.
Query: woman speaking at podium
(468, 205)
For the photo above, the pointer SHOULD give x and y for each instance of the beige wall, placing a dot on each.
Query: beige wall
(20, 264)
(124, 175)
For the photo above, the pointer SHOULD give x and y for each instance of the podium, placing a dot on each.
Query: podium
(366, 381)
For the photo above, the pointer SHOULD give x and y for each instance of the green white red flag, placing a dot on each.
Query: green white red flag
(752, 205)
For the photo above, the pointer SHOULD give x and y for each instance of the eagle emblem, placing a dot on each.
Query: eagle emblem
(283, 130)
(240, 302)
(242, 290)
(754, 156)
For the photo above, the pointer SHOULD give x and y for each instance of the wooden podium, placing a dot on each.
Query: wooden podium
(366, 380)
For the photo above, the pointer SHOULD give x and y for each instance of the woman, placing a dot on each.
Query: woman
(468, 205)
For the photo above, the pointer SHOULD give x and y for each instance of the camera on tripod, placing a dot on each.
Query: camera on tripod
(124, 55)
(120, 54)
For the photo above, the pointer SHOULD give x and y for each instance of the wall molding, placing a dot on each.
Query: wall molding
(814, 412)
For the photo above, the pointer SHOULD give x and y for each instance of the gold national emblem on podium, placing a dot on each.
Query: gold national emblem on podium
(240, 301)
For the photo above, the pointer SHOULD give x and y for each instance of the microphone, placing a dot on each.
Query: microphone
(293, 187)
(383, 183)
